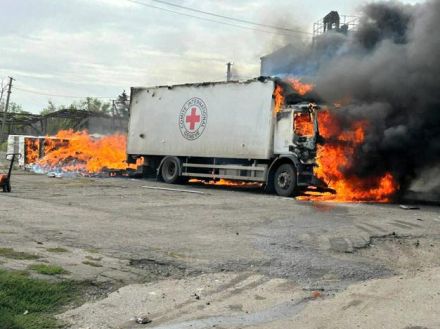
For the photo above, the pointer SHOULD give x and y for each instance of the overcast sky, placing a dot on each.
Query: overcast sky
(100, 47)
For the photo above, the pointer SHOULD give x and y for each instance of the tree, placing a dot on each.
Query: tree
(95, 105)
(3, 88)
(16, 108)
(88, 104)
(51, 107)
(121, 106)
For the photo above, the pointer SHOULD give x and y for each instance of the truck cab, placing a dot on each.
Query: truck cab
(297, 132)
(295, 138)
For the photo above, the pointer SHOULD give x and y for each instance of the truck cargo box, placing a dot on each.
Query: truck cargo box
(228, 120)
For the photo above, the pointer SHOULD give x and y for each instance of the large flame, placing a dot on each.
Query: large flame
(300, 87)
(303, 124)
(335, 159)
(32, 150)
(278, 96)
(80, 152)
(335, 156)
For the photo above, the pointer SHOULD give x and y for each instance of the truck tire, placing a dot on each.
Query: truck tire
(170, 170)
(285, 180)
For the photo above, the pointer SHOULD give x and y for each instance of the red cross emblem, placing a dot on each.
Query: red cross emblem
(192, 119)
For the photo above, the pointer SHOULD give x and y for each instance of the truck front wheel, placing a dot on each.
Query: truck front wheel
(285, 180)
(170, 170)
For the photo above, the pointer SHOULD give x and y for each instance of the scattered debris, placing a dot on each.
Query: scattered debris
(316, 294)
(406, 207)
(143, 319)
(163, 269)
(53, 174)
(197, 296)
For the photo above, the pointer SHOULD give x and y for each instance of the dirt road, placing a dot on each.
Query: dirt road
(225, 257)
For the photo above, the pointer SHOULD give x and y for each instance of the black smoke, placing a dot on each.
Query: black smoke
(390, 71)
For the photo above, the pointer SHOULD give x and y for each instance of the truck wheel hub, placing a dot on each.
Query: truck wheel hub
(284, 180)
(171, 169)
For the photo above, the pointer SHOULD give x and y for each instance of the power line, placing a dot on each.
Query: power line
(230, 18)
(208, 19)
(57, 95)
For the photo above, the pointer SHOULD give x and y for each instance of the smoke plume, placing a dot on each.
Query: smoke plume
(390, 71)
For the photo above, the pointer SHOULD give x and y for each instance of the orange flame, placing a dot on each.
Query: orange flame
(80, 152)
(303, 124)
(335, 158)
(225, 182)
(300, 87)
(32, 150)
(279, 98)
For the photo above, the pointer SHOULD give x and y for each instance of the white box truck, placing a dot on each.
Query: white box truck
(224, 130)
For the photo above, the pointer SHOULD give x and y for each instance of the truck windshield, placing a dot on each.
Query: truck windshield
(303, 124)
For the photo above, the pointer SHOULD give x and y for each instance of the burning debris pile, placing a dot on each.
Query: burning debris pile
(383, 134)
(77, 153)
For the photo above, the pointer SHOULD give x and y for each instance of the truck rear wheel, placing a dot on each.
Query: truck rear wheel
(170, 170)
(285, 180)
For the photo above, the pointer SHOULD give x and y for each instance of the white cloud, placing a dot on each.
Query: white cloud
(100, 47)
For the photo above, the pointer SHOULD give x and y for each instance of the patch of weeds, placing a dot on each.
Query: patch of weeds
(11, 253)
(57, 250)
(27, 303)
(4, 146)
(96, 259)
(92, 250)
(47, 269)
(175, 255)
(94, 264)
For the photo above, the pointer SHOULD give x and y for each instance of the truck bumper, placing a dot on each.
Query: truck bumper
(307, 180)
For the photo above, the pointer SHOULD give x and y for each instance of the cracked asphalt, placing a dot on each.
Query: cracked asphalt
(135, 234)
(224, 229)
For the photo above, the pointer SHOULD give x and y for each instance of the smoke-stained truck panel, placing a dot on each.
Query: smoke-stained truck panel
(227, 130)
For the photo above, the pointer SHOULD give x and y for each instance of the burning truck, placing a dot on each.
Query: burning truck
(260, 132)
(254, 131)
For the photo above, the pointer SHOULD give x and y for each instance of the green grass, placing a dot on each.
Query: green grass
(41, 299)
(4, 146)
(94, 264)
(57, 249)
(11, 253)
(47, 269)
(92, 250)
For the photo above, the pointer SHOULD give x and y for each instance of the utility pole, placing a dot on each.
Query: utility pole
(113, 114)
(228, 71)
(6, 108)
